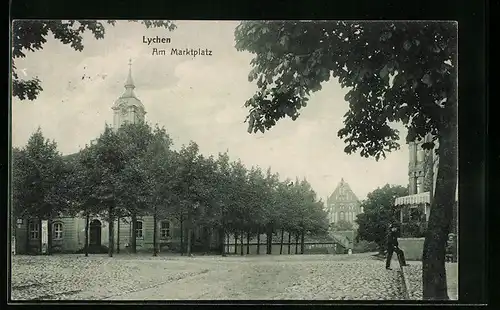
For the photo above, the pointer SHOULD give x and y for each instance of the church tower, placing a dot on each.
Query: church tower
(128, 108)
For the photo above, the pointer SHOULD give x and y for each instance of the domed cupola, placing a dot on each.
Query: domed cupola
(128, 108)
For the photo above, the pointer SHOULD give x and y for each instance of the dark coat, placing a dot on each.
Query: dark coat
(392, 239)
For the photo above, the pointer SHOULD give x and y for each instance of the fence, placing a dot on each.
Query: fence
(286, 248)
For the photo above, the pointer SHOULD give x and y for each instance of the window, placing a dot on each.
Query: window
(34, 228)
(342, 217)
(165, 229)
(419, 185)
(420, 154)
(57, 231)
(138, 230)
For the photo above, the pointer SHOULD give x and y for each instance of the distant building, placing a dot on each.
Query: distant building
(422, 175)
(68, 233)
(343, 204)
(414, 209)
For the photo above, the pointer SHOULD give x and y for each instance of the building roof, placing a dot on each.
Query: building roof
(343, 193)
(128, 98)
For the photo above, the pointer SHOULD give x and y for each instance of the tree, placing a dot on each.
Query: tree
(207, 198)
(82, 185)
(397, 72)
(379, 212)
(342, 225)
(223, 187)
(191, 191)
(39, 187)
(103, 161)
(238, 210)
(30, 35)
(159, 165)
(132, 187)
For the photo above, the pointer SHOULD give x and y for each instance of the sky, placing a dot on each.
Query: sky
(196, 99)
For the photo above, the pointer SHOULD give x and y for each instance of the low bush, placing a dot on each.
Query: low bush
(364, 246)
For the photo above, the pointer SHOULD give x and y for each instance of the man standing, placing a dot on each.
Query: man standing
(393, 246)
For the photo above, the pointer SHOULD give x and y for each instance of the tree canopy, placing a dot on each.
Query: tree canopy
(31, 35)
(342, 225)
(39, 180)
(379, 213)
(395, 72)
(134, 171)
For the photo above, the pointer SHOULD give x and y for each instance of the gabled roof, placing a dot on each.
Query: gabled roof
(343, 193)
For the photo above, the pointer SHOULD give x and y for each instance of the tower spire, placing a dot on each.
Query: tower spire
(130, 81)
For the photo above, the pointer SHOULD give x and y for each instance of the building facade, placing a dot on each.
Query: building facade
(343, 204)
(415, 208)
(68, 233)
(422, 176)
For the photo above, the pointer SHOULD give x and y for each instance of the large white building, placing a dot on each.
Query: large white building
(68, 233)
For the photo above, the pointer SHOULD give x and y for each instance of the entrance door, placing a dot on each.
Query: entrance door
(95, 233)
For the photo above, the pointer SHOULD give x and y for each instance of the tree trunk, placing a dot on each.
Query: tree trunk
(111, 231)
(296, 243)
(49, 236)
(182, 234)
(302, 237)
(40, 236)
(27, 246)
(118, 235)
(289, 242)
(133, 240)
(258, 241)
(207, 238)
(155, 233)
(87, 221)
(189, 236)
(441, 214)
(223, 238)
(235, 243)
(248, 242)
(281, 240)
(242, 239)
(269, 237)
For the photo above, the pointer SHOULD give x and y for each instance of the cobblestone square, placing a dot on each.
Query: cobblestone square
(142, 277)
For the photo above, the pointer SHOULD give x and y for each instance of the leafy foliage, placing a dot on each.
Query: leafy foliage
(395, 71)
(342, 225)
(30, 36)
(39, 185)
(379, 212)
(133, 171)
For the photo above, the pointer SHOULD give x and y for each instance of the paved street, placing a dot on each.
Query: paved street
(413, 274)
(334, 277)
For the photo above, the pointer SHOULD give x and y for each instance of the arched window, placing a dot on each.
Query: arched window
(165, 229)
(420, 185)
(34, 229)
(138, 230)
(342, 216)
(420, 153)
(57, 231)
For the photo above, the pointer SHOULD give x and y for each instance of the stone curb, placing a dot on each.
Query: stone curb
(407, 287)
(406, 283)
